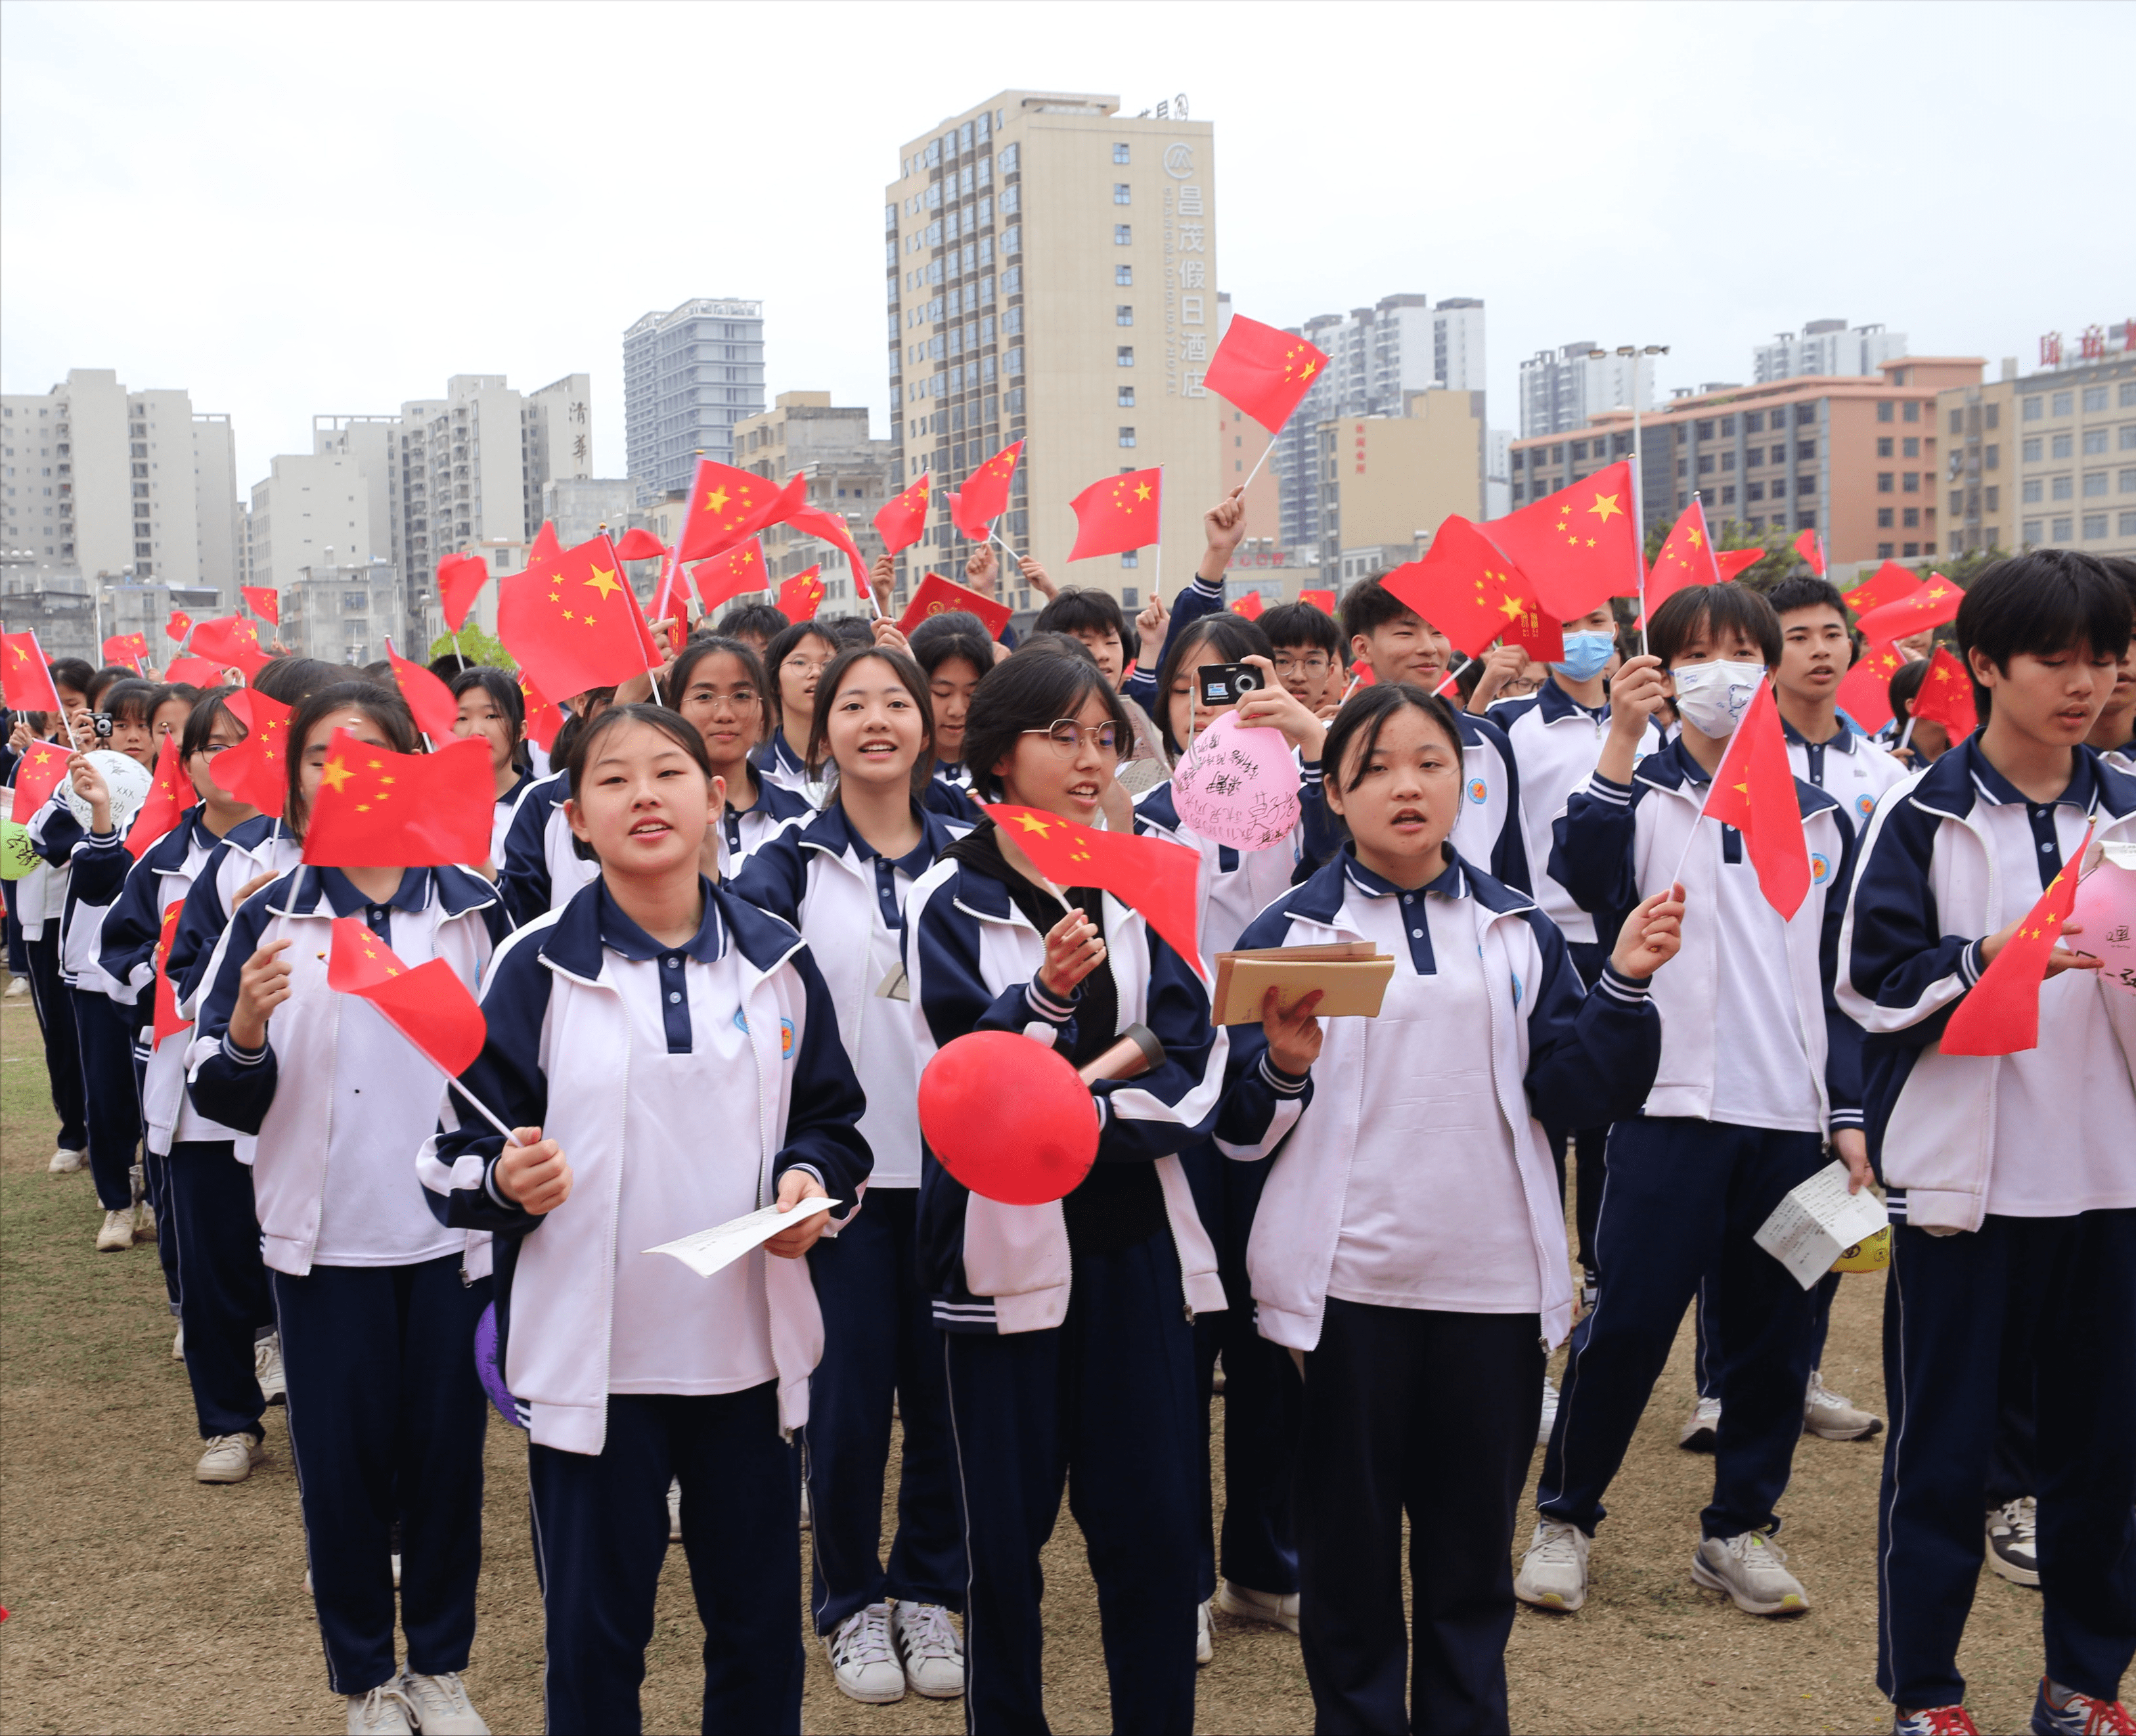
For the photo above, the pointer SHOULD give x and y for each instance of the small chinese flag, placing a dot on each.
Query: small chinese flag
(26, 678)
(430, 1005)
(1575, 548)
(1930, 606)
(1733, 561)
(376, 808)
(194, 671)
(168, 1022)
(1812, 550)
(734, 573)
(799, 596)
(1463, 587)
(2000, 1014)
(178, 626)
(430, 700)
(171, 793)
(231, 642)
(1946, 696)
(1263, 371)
(44, 765)
(1122, 512)
(460, 579)
(573, 623)
(546, 545)
(1250, 605)
(256, 771)
(903, 520)
(638, 544)
(1535, 633)
(984, 497)
(1686, 558)
(1889, 583)
(831, 526)
(1865, 691)
(265, 601)
(1158, 878)
(544, 719)
(729, 506)
(1754, 791)
(126, 648)
(1322, 600)
(939, 596)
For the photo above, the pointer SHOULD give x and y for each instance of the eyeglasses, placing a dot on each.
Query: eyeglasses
(1067, 737)
(742, 699)
(1313, 664)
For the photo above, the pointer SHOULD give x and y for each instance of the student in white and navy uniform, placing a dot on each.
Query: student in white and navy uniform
(1261, 1393)
(795, 662)
(205, 1213)
(2012, 1178)
(95, 857)
(669, 1057)
(376, 1299)
(720, 687)
(954, 652)
(843, 880)
(491, 705)
(1394, 643)
(1411, 1240)
(2114, 735)
(1067, 1327)
(537, 872)
(1758, 1071)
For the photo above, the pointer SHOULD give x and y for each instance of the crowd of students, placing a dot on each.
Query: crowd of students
(728, 919)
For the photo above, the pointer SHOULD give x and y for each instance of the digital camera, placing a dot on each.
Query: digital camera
(1222, 684)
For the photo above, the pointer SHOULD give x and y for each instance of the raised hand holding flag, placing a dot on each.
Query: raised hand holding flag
(572, 621)
(984, 497)
(1263, 371)
(265, 601)
(1159, 879)
(2000, 1014)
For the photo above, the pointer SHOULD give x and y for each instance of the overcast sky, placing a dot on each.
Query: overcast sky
(311, 208)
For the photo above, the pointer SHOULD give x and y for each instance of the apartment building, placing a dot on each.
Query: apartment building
(848, 473)
(1565, 389)
(689, 375)
(1825, 348)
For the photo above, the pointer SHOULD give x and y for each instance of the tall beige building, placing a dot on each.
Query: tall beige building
(1051, 275)
(1387, 482)
(848, 472)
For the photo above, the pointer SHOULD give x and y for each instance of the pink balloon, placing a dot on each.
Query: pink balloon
(1008, 1118)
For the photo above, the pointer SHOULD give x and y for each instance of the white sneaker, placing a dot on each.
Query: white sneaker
(267, 1369)
(675, 1510)
(934, 1655)
(2013, 1548)
(1830, 1417)
(116, 1235)
(1751, 1568)
(66, 1161)
(17, 987)
(144, 1222)
(1278, 1609)
(1205, 1645)
(1553, 1574)
(229, 1458)
(178, 1346)
(441, 1706)
(1701, 1428)
(381, 1712)
(863, 1661)
(1549, 1412)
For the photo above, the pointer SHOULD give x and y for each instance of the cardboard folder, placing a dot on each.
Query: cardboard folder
(1352, 977)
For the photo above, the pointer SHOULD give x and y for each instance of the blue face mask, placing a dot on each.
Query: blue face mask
(1585, 655)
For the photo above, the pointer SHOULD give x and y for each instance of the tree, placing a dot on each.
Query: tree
(476, 646)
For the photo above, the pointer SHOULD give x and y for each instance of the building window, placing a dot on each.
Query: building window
(2034, 408)
(2061, 530)
(1132, 558)
(2095, 525)
(2128, 440)
(1958, 421)
(1884, 481)
(1805, 485)
(1913, 411)
(2094, 398)
(2031, 491)
(1994, 499)
(1913, 447)
(2064, 402)
(1124, 314)
(1755, 491)
(2030, 535)
(2064, 446)
(1886, 551)
(1884, 446)
(1884, 410)
(1123, 356)
(1755, 422)
(1991, 459)
(2129, 524)
(1120, 153)
(2032, 450)
(2094, 439)
(1910, 551)
(1910, 484)
(1805, 450)
(1911, 518)
(1126, 399)
(1728, 495)
(1127, 436)
(2094, 482)
(1123, 276)
(2059, 487)
(1884, 518)
(1123, 235)
(1122, 194)
(2126, 484)
(1130, 596)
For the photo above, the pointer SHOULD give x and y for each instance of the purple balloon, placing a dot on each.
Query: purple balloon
(490, 1370)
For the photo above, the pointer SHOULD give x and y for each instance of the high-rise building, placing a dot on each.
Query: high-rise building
(847, 472)
(343, 613)
(1561, 389)
(1824, 348)
(1377, 357)
(127, 485)
(689, 375)
(310, 509)
(1388, 481)
(1050, 273)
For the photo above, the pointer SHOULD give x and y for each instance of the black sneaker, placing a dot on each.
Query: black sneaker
(2012, 1547)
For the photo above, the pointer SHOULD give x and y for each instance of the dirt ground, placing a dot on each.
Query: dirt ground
(142, 1601)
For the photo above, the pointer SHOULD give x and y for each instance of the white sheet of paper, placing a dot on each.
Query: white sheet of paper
(1819, 1221)
(708, 1250)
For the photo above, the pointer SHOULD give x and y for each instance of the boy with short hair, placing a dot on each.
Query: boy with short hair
(1308, 655)
(2011, 1178)
(1757, 1072)
(1395, 643)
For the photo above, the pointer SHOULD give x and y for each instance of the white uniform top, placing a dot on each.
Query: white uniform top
(1434, 1215)
(1850, 767)
(1764, 1077)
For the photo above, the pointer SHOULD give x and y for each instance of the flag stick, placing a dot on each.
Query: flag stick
(1906, 735)
(480, 1108)
(1157, 578)
(1676, 878)
(1638, 507)
(1262, 459)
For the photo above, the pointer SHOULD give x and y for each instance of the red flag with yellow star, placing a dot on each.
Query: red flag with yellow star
(256, 770)
(1324, 601)
(1250, 605)
(231, 642)
(799, 595)
(984, 497)
(1733, 561)
(265, 601)
(376, 808)
(179, 625)
(1865, 691)
(1812, 549)
(2000, 1014)
(430, 701)
(461, 578)
(1575, 548)
(26, 678)
(639, 544)
(545, 718)
(1930, 606)
(734, 573)
(1122, 512)
(44, 765)
(1153, 876)
(903, 520)
(1686, 558)
(126, 648)
(1263, 371)
(1463, 587)
(939, 596)
(1946, 696)
(1754, 791)
(831, 526)
(573, 622)
(1888, 584)
(171, 793)
(429, 1005)
(168, 1022)
(729, 506)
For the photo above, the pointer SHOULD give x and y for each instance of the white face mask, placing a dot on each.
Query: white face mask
(1714, 696)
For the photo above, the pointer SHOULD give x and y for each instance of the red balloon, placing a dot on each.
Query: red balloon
(1008, 1118)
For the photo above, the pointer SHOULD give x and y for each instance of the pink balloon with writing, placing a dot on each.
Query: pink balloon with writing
(2105, 914)
(1237, 786)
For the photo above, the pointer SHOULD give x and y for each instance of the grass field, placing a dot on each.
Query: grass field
(142, 1601)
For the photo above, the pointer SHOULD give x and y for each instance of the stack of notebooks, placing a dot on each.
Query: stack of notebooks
(1352, 977)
